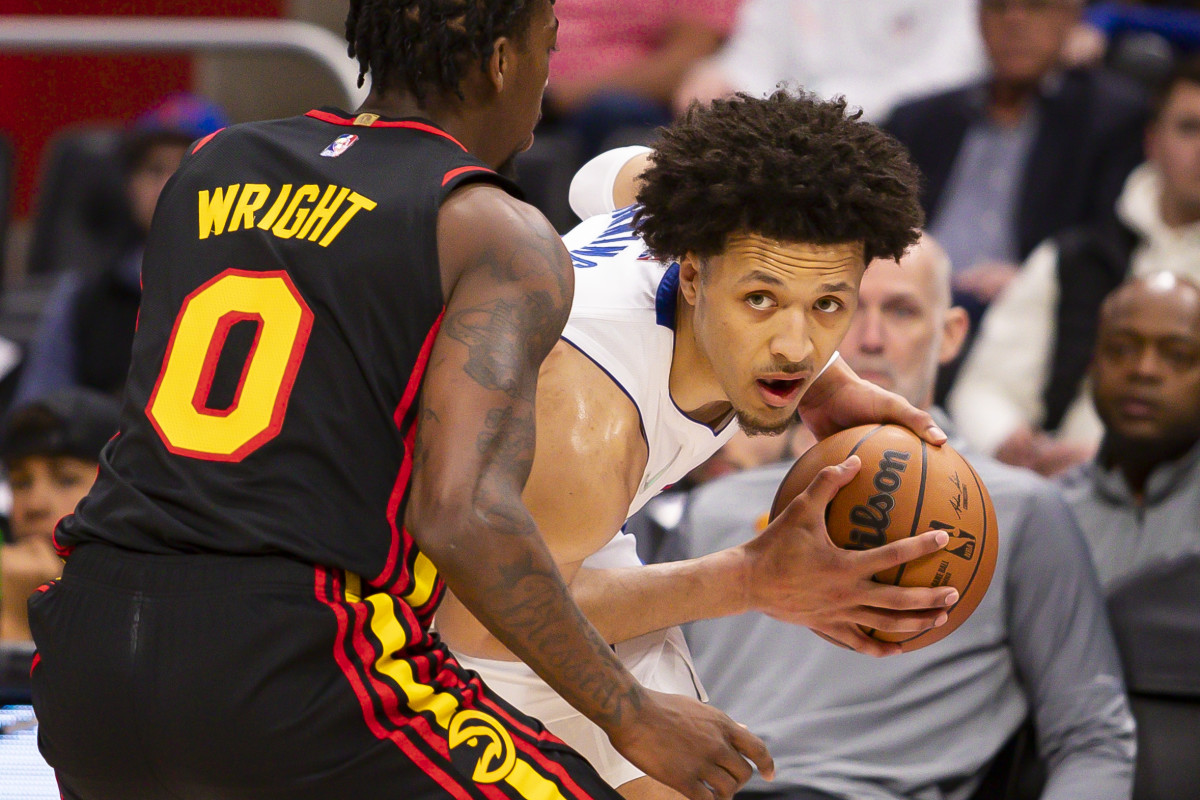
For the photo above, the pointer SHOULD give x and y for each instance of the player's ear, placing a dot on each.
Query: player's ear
(955, 325)
(689, 277)
(500, 62)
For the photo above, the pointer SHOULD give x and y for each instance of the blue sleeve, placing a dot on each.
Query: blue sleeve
(1067, 658)
(52, 359)
(1180, 27)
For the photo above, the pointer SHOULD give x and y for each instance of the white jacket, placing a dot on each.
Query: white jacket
(1000, 387)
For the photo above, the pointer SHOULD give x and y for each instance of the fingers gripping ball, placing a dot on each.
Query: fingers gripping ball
(907, 487)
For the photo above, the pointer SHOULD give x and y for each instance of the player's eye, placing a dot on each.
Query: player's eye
(759, 301)
(828, 305)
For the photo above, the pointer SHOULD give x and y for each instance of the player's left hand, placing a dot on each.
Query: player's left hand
(839, 399)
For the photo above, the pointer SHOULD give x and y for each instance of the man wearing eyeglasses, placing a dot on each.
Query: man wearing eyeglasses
(1032, 149)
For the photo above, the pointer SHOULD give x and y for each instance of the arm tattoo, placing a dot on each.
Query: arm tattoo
(500, 337)
(506, 339)
(530, 598)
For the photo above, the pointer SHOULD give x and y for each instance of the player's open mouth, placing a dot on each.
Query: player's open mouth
(780, 392)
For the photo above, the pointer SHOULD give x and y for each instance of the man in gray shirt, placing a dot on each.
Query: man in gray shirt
(1138, 502)
(925, 724)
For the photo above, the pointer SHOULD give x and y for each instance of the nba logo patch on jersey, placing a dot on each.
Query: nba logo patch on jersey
(340, 145)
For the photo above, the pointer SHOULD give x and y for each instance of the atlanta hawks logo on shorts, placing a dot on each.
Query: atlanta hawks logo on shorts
(480, 738)
(340, 145)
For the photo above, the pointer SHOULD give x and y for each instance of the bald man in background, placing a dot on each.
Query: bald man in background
(930, 723)
(1137, 501)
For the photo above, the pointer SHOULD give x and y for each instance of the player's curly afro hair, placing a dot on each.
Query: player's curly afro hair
(424, 45)
(789, 167)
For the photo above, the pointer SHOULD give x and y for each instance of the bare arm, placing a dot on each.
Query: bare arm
(589, 463)
(509, 285)
(791, 572)
(507, 305)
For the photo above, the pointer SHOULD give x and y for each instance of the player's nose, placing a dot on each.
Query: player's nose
(791, 340)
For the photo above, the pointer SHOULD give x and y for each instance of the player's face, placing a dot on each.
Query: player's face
(767, 316)
(529, 75)
(895, 338)
(45, 489)
(1173, 144)
(1146, 374)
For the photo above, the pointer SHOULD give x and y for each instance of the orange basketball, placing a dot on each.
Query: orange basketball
(905, 488)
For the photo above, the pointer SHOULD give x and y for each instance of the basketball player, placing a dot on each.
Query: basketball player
(713, 302)
(249, 586)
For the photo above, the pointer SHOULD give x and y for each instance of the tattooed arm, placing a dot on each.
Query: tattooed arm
(508, 283)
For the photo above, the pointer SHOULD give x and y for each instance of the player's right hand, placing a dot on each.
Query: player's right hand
(695, 749)
(795, 573)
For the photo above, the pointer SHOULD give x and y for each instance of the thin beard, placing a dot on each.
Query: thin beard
(754, 427)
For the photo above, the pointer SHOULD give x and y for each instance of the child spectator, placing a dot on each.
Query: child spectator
(51, 450)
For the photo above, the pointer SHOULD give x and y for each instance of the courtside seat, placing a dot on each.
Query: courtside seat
(1156, 619)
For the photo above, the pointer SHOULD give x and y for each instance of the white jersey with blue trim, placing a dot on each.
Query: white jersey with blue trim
(623, 319)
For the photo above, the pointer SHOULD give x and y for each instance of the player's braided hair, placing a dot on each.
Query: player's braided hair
(424, 45)
(789, 167)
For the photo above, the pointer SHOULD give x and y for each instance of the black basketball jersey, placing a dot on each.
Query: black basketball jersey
(291, 298)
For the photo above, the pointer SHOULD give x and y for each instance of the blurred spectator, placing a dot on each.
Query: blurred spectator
(51, 449)
(1137, 502)
(1178, 22)
(86, 330)
(1028, 152)
(875, 52)
(925, 724)
(620, 61)
(1022, 392)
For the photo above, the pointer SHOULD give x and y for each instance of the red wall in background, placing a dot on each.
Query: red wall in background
(40, 94)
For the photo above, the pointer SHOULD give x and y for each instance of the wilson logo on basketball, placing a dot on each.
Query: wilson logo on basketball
(871, 521)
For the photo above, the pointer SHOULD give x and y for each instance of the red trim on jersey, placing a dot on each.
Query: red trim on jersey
(473, 695)
(454, 173)
(209, 371)
(37, 659)
(400, 488)
(360, 690)
(59, 550)
(334, 119)
(205, 141)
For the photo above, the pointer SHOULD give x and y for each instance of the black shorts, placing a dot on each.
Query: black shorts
(215, 677)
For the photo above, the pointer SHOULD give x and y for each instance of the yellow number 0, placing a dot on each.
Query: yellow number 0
(178, 410)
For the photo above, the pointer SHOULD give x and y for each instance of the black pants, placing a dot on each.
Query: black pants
(256, 678)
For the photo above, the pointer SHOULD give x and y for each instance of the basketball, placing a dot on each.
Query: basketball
(905, 488)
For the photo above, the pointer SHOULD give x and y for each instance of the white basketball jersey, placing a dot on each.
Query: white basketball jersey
(623, 319)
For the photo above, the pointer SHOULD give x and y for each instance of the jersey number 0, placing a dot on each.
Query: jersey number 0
(178, 407)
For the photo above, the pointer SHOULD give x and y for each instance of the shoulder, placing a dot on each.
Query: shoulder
(574, 390)
(935, 108)
(1116, 90)
(1022, 498)
(1076, 482)
(1109, 100)
(586, 423)
(482, 221)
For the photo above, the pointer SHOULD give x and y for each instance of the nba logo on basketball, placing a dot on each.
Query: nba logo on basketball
(340, 145)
